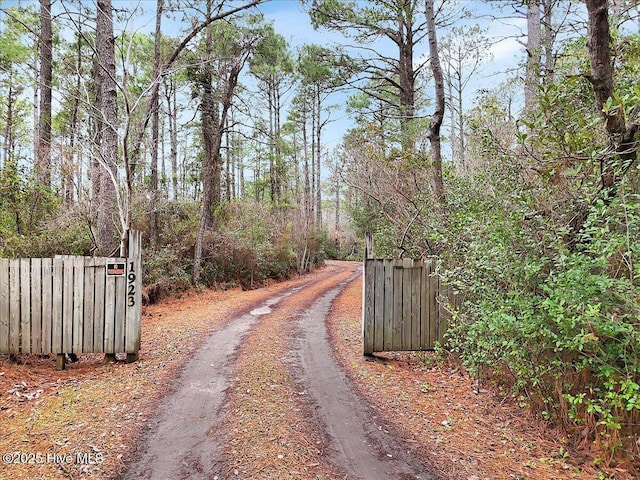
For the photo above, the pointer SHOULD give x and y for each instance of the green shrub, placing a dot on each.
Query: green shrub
(559, 321)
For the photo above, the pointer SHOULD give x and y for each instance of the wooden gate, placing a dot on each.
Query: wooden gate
(71, 304)
(402, 308)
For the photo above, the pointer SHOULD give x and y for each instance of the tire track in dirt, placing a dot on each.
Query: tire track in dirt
(264, 398)
(186, 439)
(358, 445)
(272, 430)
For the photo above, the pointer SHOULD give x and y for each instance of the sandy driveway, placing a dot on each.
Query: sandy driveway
(187, 438)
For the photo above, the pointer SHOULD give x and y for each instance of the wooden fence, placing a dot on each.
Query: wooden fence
(403, 308)
(71, 304)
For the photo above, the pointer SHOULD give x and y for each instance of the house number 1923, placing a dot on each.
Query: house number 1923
(131, 286)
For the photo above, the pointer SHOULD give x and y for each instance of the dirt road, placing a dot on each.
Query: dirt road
(196, 432)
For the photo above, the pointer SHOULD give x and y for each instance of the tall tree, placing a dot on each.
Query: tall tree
(229, 46)
(155, 121)
(43, 147)
(534, 55)
(104, 175)
(438, 115)
(13, 53)
(322, 72)
(463, 51)
(171, 97)
(398, 21)
(137, 142)
(272, 65)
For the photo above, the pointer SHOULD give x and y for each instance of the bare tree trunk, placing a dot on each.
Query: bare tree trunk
(163, 187)
(318, 160)
(307, 174)
(43, 147)
(548, 40)
(172, 113)
(312, 197)
(241, 184)
(213, 121)
(155, 112)
(337, 200)
(227, 163)
(438, 115)
(452, 110)
(531, 80)
(296, 171)
(280, 174)
(460, 89)
(68, 172)
(623, 139)
(108, 108)
(8, 128)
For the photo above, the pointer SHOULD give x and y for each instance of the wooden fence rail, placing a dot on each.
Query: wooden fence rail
(402, 305)
(71, 304)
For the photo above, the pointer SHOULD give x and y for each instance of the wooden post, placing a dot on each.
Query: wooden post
(60, 361)
(134, 296)
(368, 240)
(4, 306)
(367, 297)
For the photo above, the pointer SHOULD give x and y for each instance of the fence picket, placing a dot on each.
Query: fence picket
(425, 326)
(25, 305)
(78, 304)
(99, 306)
(47, 303)
(110, 313)
(89, 301)
(378, 310)
(14, 305)
(397, 308)
(416, 288)
(36, 305)
(406, 302)
(67, 304)
(388, 305)
(58, 302)
(4, 305)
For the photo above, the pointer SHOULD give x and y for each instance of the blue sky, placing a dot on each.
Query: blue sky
(291, 21)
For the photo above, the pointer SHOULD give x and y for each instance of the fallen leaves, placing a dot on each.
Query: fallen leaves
(471, 434)
(270, 427)
(92, 407)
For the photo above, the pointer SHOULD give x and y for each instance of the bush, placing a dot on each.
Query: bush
(558, 319)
